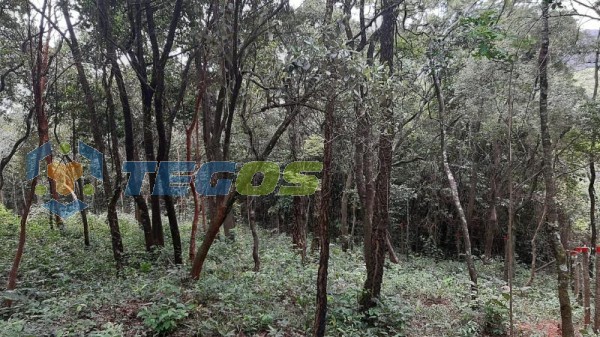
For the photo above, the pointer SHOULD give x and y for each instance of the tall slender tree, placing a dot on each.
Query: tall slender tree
(553, 225)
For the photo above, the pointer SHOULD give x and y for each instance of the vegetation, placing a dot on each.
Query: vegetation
(69, 291)
(449, 149)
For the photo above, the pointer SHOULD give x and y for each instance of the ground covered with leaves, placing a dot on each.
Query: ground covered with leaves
(66, 289)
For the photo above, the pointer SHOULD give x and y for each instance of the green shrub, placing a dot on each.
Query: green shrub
(496, 315)
(162, 318)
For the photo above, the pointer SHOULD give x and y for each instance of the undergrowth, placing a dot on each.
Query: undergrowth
(66, 289)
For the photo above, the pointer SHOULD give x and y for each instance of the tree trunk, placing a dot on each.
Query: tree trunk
(255, 240)
(188, 146)
(12, 276)
(587, 319)
(113, 221)
(534, 245)
(105, 19)
(299, 226)
(323, 229)
(593, 195)
(453, 186)
(299, 202)
(344, 212)
(548, 171)
(381, 218)
(80, 195)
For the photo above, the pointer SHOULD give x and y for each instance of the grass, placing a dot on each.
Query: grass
(68, 290)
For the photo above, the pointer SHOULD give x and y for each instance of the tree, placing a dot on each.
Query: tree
(553, 224)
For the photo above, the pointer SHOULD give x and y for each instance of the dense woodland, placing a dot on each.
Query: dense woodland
(459, 142)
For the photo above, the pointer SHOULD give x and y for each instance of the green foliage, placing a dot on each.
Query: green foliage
(470, 329)
(109, 330)
(483, 35)
(162, 318)
(55, 294)
(11, 327)
(496, 315)
(313, 146)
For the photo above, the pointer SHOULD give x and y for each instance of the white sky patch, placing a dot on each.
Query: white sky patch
(296, 3)
(587, 22)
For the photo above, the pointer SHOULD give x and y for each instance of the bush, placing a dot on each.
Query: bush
(162, 318)
(496, 315)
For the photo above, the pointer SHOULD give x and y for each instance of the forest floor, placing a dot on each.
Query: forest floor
(68, 290)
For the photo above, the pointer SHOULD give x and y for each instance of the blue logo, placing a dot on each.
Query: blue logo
(65, 175)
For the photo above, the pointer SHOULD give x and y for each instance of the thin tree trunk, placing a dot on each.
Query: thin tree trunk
(453, 186)
(255, 240)
(592, 191)
(390, 248)
(105, 18)
(344, 211)
(113, 221)
(188, 146)
(323, 228)
(577, 279)
(587, 319)
(14, 270)
(381, 218)
(597, 295)
(534, 245)
(553, 226)
(492, 224)
(80, 195)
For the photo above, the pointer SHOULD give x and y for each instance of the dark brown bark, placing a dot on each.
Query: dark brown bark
(225, 206)
(381, 216)
(14, 270)
(363, 173)
(299, 202)
(188, 148)
(38, 67)
(40, 82)
(255, 240)
(323, 228)
(137, 57)
(553, 226)
(158, 86)
(80, 196)
(113, 221)
(105, 18)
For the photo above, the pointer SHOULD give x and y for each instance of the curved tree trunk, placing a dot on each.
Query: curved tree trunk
(453, 186)
(14, 270)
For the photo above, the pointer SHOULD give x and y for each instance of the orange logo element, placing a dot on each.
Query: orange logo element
(65, 176)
